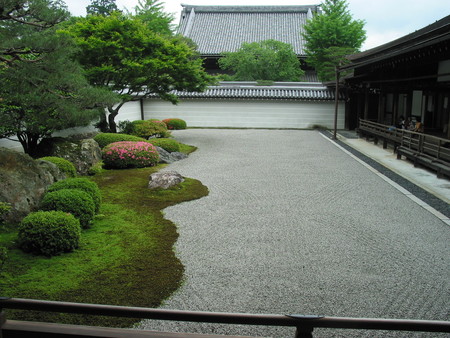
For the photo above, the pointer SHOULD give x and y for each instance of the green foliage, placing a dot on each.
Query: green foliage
(101, 7)
(64, 165)
(167, 144)
(151, 12)
(112, 261)
(49, 233)
(23, 24)
(123, 54)
(43, 89)
(148, 128)
(265, 60)
(330, 36)
(125, 127)
(103, 139)
(3, 256)
(175, 124)
(81, 183)
(121, 155)
(96, 169)
(4, 209)
(74, 201)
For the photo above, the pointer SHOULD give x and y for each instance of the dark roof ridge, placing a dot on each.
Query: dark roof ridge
(249, 9)
(274, 85)
(402, 41)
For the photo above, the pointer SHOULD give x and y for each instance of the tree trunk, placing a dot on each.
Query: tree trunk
(29, 143)
(113, 112)
(112, 123)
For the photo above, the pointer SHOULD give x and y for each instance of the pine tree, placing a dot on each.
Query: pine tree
(43, 89)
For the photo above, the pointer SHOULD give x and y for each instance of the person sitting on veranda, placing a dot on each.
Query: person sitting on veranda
(401, 123)
(419, 126)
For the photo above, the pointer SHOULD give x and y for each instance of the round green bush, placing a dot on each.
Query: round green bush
(74, 201)
(81, 183)
(103, 139)
(122, 155)
(167, 144)
(149, 128)
(175, 124)
(49, 233)
(64, 165)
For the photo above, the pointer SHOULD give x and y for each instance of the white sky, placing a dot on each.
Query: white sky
(386, 20)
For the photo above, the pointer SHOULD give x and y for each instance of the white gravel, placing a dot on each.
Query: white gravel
(294, 225)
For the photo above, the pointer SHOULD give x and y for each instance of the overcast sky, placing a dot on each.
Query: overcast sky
(386, 20)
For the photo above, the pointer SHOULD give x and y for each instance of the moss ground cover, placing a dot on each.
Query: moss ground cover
(125, 258)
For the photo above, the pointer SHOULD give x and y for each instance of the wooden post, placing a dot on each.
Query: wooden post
(336, 103)
(304, 332)
(366, 103)
(2, 321)
(141, 102)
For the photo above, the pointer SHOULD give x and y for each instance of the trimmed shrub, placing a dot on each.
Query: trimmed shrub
(148, 128)
(125, 127)
(167, 144)
(49, 233)
(80, 183)
(104, 139)
(122, 155)
(74, 201)
(175, 124)
(64, 165)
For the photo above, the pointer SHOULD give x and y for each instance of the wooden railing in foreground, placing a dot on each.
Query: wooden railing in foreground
(426, 150)
(304, 324)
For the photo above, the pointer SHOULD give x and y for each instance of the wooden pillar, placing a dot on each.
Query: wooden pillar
(381, 109)
(2, 321)
(366, 103)
(141, 102)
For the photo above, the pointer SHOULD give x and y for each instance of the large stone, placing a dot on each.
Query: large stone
(23, 182)
(166, 157)
(164, 179)
(82, 153)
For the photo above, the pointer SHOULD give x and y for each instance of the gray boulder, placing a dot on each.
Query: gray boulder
(164, 179)
(23, 182)
(82, 153)
(166, 157)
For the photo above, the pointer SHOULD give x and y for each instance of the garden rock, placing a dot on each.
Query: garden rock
(164, 180)
(23, 182)
(82, 153)
(166, 157)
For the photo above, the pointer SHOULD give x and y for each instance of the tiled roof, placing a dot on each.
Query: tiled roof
(434, 33)
(218, 29)
(278, 90)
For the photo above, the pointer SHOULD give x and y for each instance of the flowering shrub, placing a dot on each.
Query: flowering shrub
(130, 155)
(175, 124)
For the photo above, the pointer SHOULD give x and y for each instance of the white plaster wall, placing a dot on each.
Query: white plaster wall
(247, 113)
(225, 113)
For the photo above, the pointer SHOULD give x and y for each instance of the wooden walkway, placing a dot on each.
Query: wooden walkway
(426, 150)
(304, 324)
